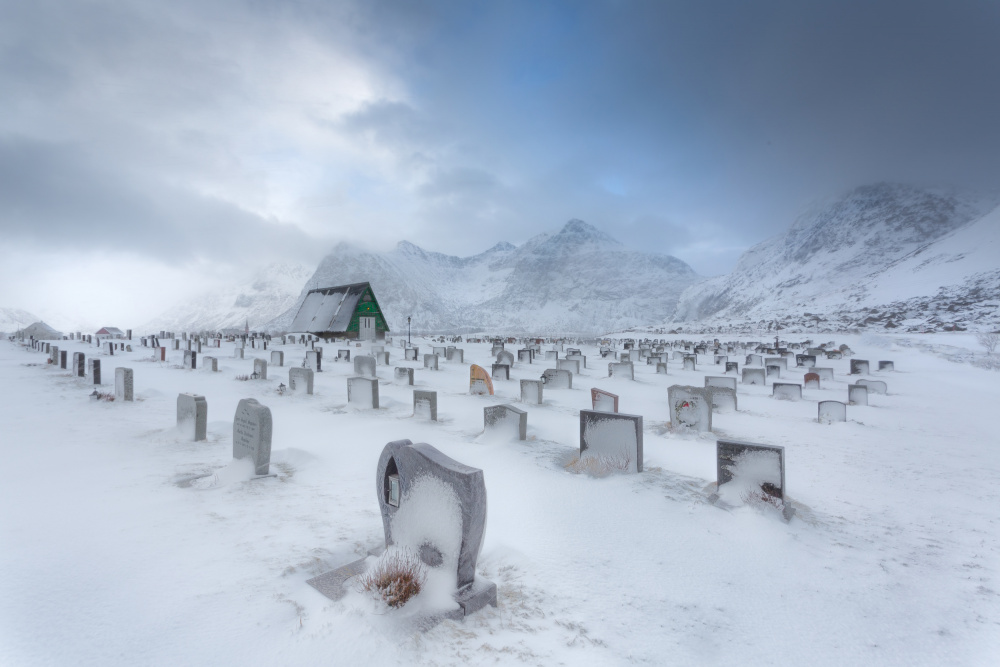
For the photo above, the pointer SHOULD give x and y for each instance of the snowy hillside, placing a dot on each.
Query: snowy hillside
(578, 280)
(272, 291)
(884, 256)
(12, 319)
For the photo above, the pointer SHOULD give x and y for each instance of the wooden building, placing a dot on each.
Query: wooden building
(346, 311)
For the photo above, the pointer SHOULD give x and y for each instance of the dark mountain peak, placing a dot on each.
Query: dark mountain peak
(578, 232)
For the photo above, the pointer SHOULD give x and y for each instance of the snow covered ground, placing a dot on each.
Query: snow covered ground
(892, 558)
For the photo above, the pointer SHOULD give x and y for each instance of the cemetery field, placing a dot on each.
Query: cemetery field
(124, 542)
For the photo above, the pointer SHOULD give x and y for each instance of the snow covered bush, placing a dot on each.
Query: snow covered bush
(988, 341)
(396, 577)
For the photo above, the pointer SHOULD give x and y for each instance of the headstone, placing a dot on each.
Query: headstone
(456, 355)
(531, 392)
(825, 374)
(690, 407)
(109, 349)
(497, 417)
(94, 370)
(753, 468)
(404, 374)
(721, 359)
(524, 356)
(210, 364)
(364, 366)
(501, 372)
(409, 354)
(425, 404)
(479, 381)
(661, 368)
(314, 361)
(754, 376)
(190, 359)
(301, 379)
(192, 416)
(571, 365)
(79, 368)
(177, 344)
(252, 434)
(277, 358)
(440, 351)
(614, 438)
(720, 381)
(62, 359)
(363, 391)
(786, 391)
(754, 360)
(576, 356)
(123, 384)
(772, 370)
(621, 370)
(551, 355)
(260, 368)
(431, 361)
(805, 360)
(505, 357)
(603, 401)
(557, 378)
(886, 366)
(832, 411)
(723, 398)
(857, 394)
(875, 386)
(237, 353)
(811, 381)
(859, 367)
(689, 362)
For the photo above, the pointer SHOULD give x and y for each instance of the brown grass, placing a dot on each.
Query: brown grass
(396, 578)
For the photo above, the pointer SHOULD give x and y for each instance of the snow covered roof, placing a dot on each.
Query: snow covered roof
(328, 309)
(110, 331)
(40, 331)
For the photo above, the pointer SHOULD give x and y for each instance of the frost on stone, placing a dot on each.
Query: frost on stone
(429, 524)
(611, 445)
(756, 476)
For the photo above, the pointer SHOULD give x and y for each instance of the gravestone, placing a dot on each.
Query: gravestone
(505, 357)
(62, 359)
(859, 367)
(404, 374)
(754, 468)
(690, 407)
(190, 359)
(237, 353)
(661, 368)
(832, 411)
(440, 351)
(886, 366)
(621, 370)
(177, 343)
(210, 364)
(260, 368)
(875, 386)
(431, 361)
(825, 374)
(551, 355)
(381, 358)
(577, 357)
(496, 349)
(364, 365)
(811, 381)
(557, 378)
(363, 391)
(531, 391)
(772, 370)
(786, 391)
(857, 394)
(754, 376)
(689, 362)
(480, 383)
(109, 349)
(252, 434)
(721, 359)
(314, 361)
(123, 384)
(410, 353)
(720, 381)
(94, 370)
(754, 360)
(425, 404)
(456, 355)
(571, 365)
(496, 417)
(301, 379)
(79, 367)
(501, 372)
(805, 360)
(54, 355)
(192, 416)
(615, 439)
(603, 401)
(344, 355)
(723, 398)
(277, 358)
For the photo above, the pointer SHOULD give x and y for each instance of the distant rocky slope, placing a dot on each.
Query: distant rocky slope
(883, 256)
(578, 280)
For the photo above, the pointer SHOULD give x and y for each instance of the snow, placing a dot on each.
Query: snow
(110, 558)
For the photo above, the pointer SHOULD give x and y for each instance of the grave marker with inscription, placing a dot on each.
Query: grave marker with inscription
(252, 434)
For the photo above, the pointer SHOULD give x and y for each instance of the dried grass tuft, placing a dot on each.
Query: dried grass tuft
(397, 577)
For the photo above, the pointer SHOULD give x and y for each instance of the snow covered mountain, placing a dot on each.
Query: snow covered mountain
(578, 280)
(12, 319)
(883, 256)
(273, 289)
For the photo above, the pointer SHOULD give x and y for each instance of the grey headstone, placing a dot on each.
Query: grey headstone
(79, 364)
(260, 368)
(94, 370)
(661, 368)
(411, 353)
(344, 355)
(571, 365)
(456, 355)
(719, 381)
(613, 436)
(62, 359)
(760, 466)
(505, 357)
(277, 358)
(301, 379)
(524, 356)
(689, 362)
(190, 359)
(577, 357)
(431, 361)
(237, 353)
(192, 415)
(886, 366)
(786, 391)
(805, 360)
(690, 407)
(405, 374)
(252, 434)
(832, 411)
(314, 361)
(363, 391)
(425, 404)
(508, 417)
(723, 399)
(551, 355)
(621, 370)
(531, 392)
(501, 372)
(859, 367)
(754, 376)
(772, 370)
(210, 364)
(825, 374)
(857, 394)
(875, 386)
(364, 366)
(558, 378)
(123, 384)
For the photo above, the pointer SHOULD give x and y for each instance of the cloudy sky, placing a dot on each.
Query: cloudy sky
(150, 150)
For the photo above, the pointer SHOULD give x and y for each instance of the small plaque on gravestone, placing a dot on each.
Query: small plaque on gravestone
(252, 434)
